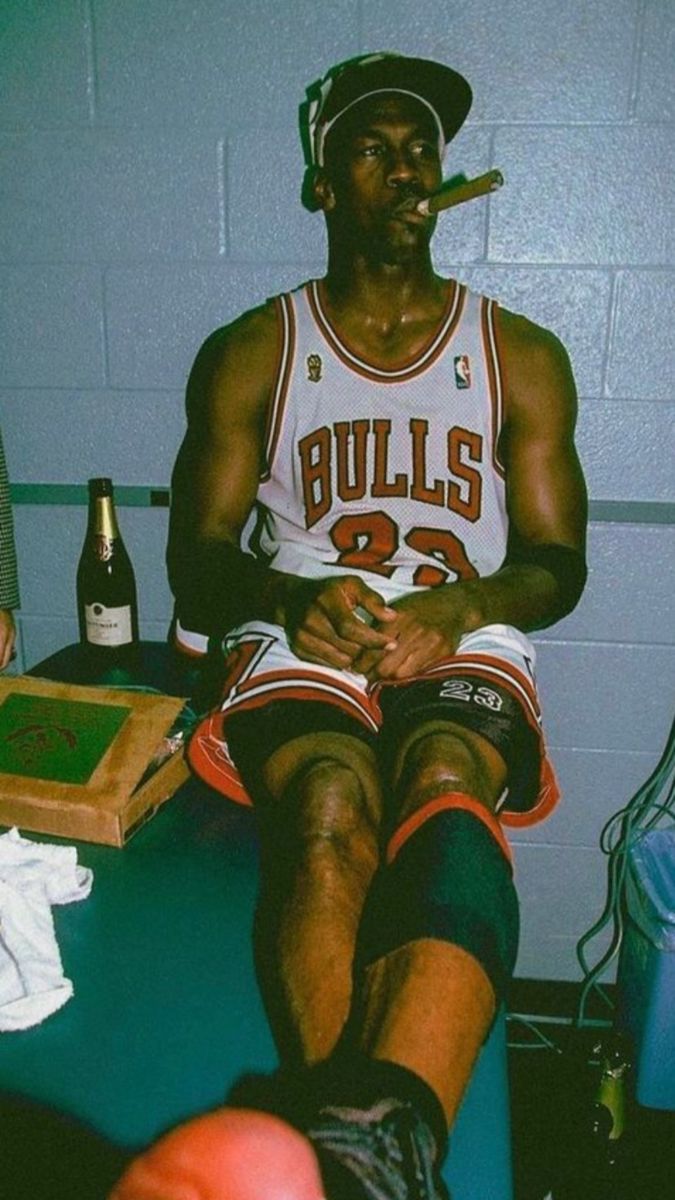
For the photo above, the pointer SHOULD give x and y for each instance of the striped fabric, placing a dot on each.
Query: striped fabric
(9, 584)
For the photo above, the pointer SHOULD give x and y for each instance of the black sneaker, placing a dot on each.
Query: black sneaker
(384, 1152)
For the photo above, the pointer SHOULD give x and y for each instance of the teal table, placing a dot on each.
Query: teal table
(166, 1012)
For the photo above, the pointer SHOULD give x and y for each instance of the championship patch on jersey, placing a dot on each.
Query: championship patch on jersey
(462, 371)
(314, 367)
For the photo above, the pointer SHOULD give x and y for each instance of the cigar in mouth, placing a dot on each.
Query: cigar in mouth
(448, 197)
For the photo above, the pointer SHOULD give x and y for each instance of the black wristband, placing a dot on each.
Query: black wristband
(216, 587)
(564, 563)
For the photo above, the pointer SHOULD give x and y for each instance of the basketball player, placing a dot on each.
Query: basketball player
(377, 497)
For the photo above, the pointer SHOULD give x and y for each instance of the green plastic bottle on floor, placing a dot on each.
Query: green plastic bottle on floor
(597, 1167)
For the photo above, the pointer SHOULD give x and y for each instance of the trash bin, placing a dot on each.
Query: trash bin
(647, 968)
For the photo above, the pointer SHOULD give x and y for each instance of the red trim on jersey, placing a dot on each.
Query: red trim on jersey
(188, 651)
(428, 355)
(547, 798)
(294, 691)
(283, 373)
(209, 761)
(190, 642)
(301, 685)
(452, 800)
(494, 372)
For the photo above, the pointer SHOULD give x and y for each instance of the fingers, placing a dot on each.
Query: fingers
(371, 608)
(329, 643)
(352, 628)
(328, 649)
(416, 647)
(340, 619)
(348, 626)
(354, 610)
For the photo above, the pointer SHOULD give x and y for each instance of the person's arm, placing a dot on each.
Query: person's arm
(7, 636)
(214, 485)
(9, 585)
(216, 475)
(544, 571)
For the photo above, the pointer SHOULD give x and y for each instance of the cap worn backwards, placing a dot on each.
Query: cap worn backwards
(444, 92)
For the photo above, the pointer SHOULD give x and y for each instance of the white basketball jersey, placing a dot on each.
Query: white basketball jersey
(392, 474)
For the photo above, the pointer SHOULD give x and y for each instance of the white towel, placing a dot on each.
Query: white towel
(33, 876)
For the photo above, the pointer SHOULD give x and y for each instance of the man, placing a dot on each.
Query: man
(377, 495)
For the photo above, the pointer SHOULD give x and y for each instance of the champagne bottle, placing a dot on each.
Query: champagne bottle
(598, 1166)
(609, 1117)
(106, 587)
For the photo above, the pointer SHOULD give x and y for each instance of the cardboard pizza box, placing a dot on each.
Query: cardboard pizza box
(90, 763)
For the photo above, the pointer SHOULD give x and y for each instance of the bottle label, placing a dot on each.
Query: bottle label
(103, 547)
(108, 626)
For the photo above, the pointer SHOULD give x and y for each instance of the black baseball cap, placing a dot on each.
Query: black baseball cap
(444, 91)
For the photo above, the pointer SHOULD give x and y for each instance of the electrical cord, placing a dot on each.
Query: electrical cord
(531, 1024)
(653, 802)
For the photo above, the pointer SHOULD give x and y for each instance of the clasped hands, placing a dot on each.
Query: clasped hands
(344, 623)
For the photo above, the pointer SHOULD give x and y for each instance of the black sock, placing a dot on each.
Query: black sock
(346, 1080)
(357, 1081)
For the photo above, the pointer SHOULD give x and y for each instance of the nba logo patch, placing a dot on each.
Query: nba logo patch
(462, 371)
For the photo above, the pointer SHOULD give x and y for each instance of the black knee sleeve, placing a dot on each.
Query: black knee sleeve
(450, 879)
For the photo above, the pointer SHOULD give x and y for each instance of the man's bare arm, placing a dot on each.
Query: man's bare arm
(545, 490)
(216, 475)
(547, 509)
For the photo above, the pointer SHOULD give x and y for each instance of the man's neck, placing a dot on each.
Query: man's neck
(387, 293)
(383, 304)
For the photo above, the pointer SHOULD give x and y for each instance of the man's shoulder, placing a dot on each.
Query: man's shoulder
(252, 332)
(519, 333)
(534, 362)
(236, 359)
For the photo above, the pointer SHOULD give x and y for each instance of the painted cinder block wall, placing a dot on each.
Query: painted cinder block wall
(150, 192)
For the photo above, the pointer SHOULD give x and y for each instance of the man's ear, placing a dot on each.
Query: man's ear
(317, 192)
(323, 191)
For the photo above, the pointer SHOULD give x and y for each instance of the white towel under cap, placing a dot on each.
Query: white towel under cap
(33, 876)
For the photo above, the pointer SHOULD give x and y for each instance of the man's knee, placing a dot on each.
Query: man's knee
(438, 758)
(330, 803)
(326, 803)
